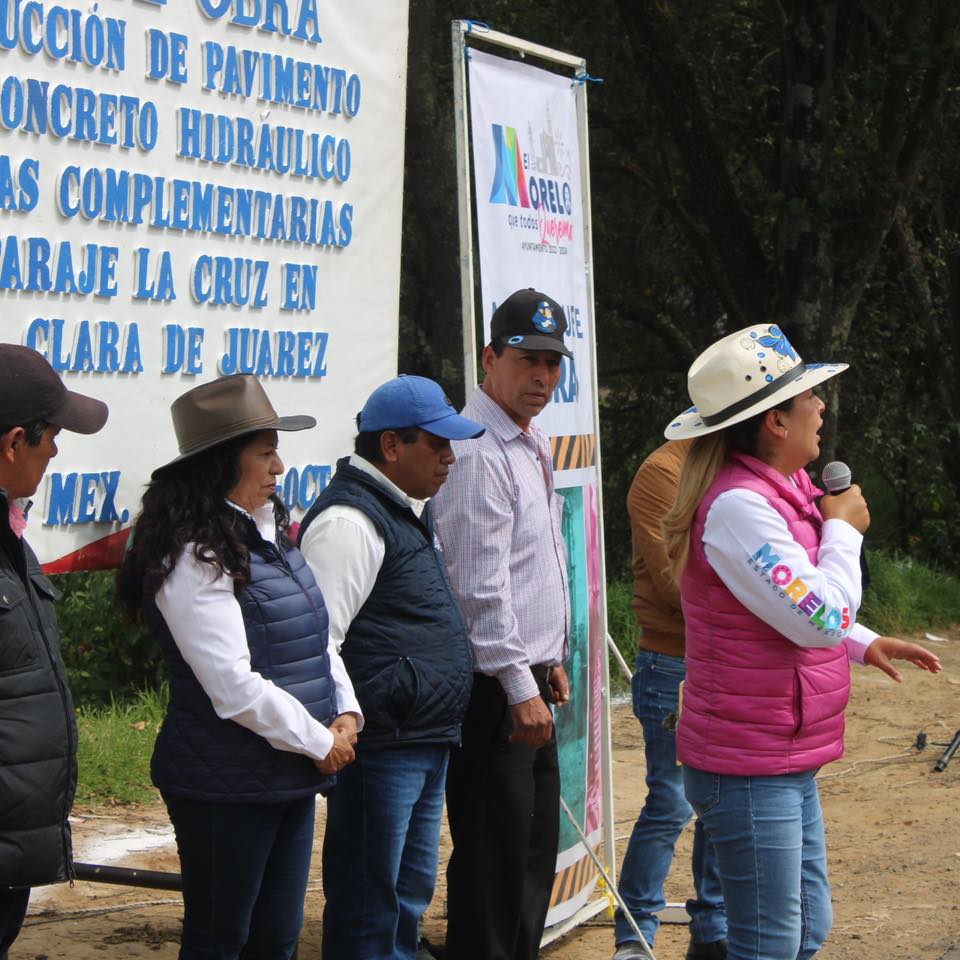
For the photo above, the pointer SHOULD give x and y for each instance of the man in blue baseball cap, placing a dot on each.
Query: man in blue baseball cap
(370, 541)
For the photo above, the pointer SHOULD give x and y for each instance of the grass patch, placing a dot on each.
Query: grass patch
(115, 746)
(624, 630)
(905, 596)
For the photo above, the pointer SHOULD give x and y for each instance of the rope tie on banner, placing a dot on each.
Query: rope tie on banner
(581, 77)
(472, 25)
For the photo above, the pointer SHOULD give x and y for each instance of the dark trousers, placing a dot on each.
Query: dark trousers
(244, 869)
(13, 908)
(503, 804)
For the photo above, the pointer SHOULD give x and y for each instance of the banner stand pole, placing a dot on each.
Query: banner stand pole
(615, 650)
(464, 208)
(611, 886)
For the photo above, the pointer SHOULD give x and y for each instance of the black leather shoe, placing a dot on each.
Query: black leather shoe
(717, 950)
(431, 951)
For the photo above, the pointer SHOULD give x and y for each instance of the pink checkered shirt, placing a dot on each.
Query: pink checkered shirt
(499, 521)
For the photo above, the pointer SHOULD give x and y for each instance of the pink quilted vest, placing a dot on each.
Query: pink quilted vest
(755, 703)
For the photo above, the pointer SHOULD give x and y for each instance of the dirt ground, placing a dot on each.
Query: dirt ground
(893, 833)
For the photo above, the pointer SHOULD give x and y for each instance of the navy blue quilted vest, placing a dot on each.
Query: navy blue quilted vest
(200, 756)
(407, 650)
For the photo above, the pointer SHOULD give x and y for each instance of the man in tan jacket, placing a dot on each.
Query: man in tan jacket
(659, 671)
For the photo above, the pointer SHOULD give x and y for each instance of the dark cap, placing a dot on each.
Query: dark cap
(31, 390)
(530, 320)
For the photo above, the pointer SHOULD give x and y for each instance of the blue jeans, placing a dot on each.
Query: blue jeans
(244, 869)
(768, 834)
(664, 815)
(380, 852)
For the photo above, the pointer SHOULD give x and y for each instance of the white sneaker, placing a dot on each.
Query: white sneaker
(631, 950)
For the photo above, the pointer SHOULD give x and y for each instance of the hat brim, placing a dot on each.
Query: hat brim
(690, 424)
(287, 424)
(454, 427)
(79, 413)
(534, 341)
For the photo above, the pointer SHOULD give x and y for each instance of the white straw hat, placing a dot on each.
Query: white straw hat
(744, 374)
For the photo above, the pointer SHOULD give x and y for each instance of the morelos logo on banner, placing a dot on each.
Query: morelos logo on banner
(530, 225)
(550, 197)
(191, 189)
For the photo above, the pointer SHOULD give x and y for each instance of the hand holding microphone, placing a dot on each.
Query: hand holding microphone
(845, 501)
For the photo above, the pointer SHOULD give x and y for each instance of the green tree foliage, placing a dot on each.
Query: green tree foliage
(106, 657)
(750, 161)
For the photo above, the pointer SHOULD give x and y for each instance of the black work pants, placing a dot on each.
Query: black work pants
(13, 908)
(503, 804)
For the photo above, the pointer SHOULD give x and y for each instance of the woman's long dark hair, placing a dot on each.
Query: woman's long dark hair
(187, 503)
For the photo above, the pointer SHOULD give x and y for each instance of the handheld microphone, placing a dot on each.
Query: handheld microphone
(836, 477)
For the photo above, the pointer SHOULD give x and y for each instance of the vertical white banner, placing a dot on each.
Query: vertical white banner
(529, 211)
(530, 223)
(189, 189)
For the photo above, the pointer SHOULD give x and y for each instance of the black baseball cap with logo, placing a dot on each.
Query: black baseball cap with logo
(530, 320)
(30, 389)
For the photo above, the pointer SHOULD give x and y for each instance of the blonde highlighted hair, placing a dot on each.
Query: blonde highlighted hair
(700, 469)
(704, 460)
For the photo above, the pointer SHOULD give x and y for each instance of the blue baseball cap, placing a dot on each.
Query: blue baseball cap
(409, 401)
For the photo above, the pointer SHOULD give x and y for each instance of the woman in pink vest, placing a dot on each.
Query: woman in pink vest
(770, 587)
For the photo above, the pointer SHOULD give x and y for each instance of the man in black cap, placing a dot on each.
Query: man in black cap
(38, 737)
(499, 519)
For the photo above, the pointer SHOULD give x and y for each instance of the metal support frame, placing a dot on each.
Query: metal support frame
(609, 881)
(464, 206)
(461, 29)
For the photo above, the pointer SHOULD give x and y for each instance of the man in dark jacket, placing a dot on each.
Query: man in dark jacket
(38, 740)
(370, 541)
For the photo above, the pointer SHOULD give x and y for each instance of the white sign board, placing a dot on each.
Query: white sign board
(190, 189)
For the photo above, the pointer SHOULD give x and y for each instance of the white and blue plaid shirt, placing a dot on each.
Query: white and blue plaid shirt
(499, 520)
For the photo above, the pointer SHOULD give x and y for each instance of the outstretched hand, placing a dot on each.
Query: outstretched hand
(883, 650)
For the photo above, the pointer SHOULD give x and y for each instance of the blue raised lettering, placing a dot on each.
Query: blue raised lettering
(86, 507)
(109, 353)
(63, 492)
(132, 362)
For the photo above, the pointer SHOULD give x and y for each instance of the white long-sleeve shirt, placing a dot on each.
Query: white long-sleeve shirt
(751, 549)
(345, 551)
(206, 623)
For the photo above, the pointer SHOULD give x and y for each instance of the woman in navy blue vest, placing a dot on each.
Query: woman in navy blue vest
(262, 714)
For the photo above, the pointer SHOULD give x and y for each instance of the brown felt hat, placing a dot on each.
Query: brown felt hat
(31, 390)
(218, 411)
